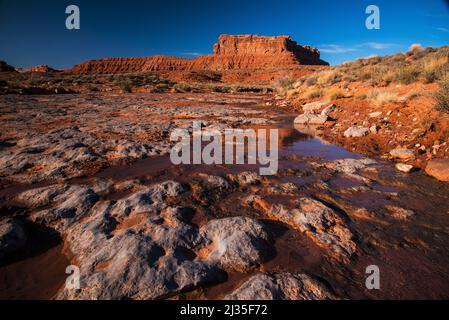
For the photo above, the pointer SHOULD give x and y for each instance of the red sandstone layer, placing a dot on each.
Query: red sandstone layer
(231, 53)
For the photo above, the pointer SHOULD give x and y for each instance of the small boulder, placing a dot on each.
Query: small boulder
(308, 118)
(356, 132)
(402, 153)
(326, 111)
(439, 169)
(313, 106)
(406, 168)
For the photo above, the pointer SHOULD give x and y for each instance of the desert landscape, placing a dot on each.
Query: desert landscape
(363, 179)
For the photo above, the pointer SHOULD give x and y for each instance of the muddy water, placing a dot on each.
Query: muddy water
(413, 255)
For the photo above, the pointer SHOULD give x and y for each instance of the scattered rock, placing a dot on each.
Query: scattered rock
(216, 182)
(247, 178)
(308, 118)
(313, 106)
(407, 168)
(282, 286)
(358, 132)
(402, 153)
(375, 114)
(399, 213)
(326, 111)
(439, 169)
(373, 129)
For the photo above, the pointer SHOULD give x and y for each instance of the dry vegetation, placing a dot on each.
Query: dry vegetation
(60, 82)
(381, 75)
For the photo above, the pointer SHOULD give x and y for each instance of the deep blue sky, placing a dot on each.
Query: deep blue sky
(33, 32)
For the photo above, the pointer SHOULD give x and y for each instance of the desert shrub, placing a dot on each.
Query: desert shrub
(361, 96)
(93, 88)
(284, 84)
(337, 95)
(442, 95)
(125, 85)
(407, 75)
(311, 80)
(182, 87)
(329, 77)
(315, 93)
(162, 86)
(434, 66)
(381, 97)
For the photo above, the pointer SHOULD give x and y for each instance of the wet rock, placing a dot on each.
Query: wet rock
(102, 186)
(148, 199)
(284, 188)
(131, 150)
(71, 206)
(282, 286)
(12, 237)
(351, 167)
(147, 263)
(236, 243)
(216, 182)
(308, 118)
(402, 153)
(439, 169)
(40, 197)
(247, 178)
(356, 132)
(399, 213)
(319, 222)
(406, 168)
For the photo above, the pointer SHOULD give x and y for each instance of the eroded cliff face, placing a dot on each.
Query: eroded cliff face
(231, 53)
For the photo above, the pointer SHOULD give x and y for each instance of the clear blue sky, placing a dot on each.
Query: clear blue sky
(33, 32)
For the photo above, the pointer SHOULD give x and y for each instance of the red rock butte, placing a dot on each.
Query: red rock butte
(236, 57)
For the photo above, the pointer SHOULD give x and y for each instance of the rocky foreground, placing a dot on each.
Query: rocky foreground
(91, 173)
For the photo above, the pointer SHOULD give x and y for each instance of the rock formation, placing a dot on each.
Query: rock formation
(231, 53)
(4, 67)
(40, 68)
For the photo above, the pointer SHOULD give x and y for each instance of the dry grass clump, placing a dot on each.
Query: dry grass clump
(284, 84)
(380, 97)
(442, 95)
(337, 95)
(314, 93)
